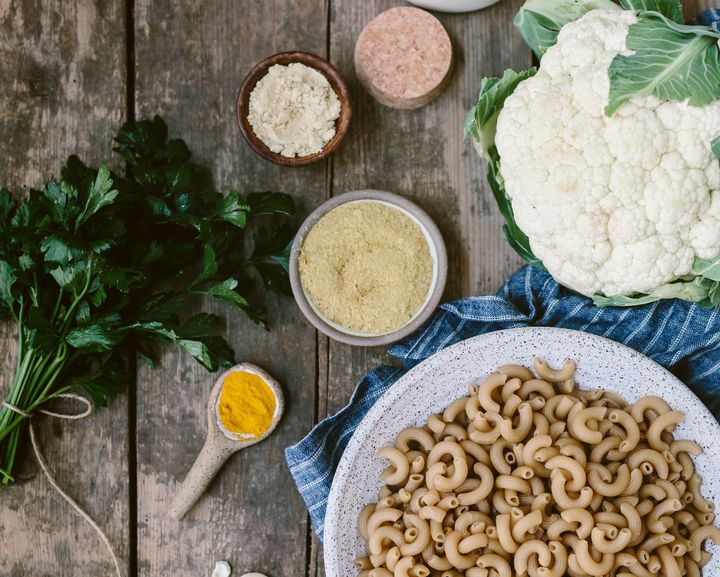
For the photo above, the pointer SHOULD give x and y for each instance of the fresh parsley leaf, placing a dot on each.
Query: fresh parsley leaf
(7, 207)
(225, 291)
(62, 201)
(82, 316)
(208, 267)
(60, 250)
(7, 279)
(97, 268)
(69, 276)
(40, 334)
(165, 307)
(234, 210)
(77, 173)
(201, 324)
(271, 203)
(98, 337)
(271, 257)
(25, 262)
(211, 352)
(108, 379)
(140, 140)
(100, 194)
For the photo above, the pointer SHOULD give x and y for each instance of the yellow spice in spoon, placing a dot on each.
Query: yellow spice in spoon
(246, 405)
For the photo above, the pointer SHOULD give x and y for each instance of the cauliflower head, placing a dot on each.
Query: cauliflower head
(615, 204)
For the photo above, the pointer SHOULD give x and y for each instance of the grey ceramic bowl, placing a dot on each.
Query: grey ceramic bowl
(437, 250)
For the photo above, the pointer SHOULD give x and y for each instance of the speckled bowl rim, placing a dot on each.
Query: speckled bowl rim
(409, 401)
(431, 302)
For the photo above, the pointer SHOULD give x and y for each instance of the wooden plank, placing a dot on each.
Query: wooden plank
(691, 8)
(252, 515)
(63, 65)
(421, 154)
(701, 5)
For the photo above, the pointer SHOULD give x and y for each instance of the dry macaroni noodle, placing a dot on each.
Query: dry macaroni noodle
(532, 477)
(510, 388)
(554, 375)
(663, 422)
(649, 403)
(516, 372)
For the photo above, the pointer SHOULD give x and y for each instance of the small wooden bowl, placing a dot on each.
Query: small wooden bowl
(336, 82)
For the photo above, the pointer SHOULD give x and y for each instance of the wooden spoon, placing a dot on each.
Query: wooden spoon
(220, 444)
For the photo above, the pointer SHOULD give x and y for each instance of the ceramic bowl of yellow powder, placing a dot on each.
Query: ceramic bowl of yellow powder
(368, 267)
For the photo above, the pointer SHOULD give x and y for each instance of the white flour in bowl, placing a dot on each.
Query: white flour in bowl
(293, 110)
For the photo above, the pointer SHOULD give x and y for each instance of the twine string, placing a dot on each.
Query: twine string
(43, 464)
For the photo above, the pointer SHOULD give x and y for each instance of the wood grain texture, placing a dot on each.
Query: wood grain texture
(63, 91)
(701, 5)
(421, 154)
(252, 515)
(691, 8)
(64, 68)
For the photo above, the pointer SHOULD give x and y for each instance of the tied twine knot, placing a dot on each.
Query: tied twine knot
(43, 464)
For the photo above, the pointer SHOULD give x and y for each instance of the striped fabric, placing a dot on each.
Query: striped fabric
(679, 335)
(710, 17)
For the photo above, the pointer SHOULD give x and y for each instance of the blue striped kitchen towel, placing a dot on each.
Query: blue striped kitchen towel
(677, 334)
(710, 17)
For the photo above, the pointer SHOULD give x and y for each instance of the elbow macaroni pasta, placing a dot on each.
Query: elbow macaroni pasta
(529, 476)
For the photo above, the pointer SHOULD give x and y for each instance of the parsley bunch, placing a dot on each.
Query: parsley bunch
(97, 267)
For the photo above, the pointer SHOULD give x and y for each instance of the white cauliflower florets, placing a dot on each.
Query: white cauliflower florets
(611, 205)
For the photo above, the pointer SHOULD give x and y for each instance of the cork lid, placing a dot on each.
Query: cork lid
(403, 57)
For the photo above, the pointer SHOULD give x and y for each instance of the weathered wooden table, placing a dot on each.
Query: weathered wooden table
(72, 71)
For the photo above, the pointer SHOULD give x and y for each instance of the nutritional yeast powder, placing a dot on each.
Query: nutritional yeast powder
(367, 267)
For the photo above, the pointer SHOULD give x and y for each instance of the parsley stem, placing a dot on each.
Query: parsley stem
(9, 419)
(18, 387)
(32, 376)
(11, 450)
(58, 302)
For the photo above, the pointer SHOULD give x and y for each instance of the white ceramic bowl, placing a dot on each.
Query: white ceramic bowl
(453, 5)
(435, 383)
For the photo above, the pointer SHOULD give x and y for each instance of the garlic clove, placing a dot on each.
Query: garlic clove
(222, 569)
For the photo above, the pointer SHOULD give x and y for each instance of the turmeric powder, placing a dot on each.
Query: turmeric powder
(247, 404)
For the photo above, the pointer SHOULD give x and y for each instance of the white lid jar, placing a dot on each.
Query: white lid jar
(453, 5)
